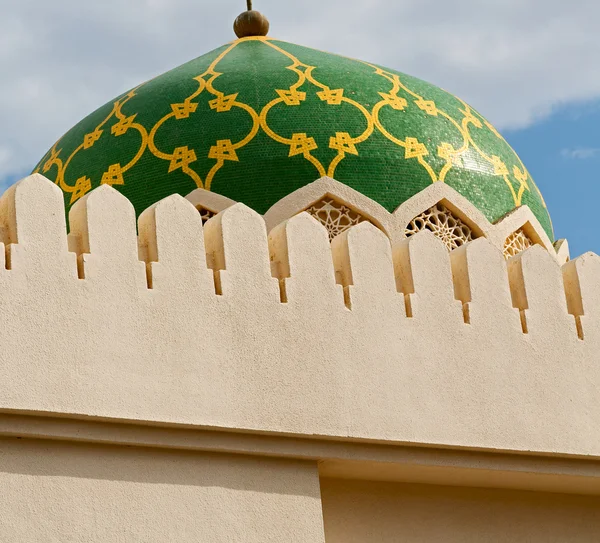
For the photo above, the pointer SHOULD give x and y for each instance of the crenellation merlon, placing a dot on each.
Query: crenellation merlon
(581, 278)
(277, 345)
(302, 261)
(172, 240)
(538, 291)
(176, 248)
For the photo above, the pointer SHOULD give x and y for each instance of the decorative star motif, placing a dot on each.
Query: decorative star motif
(291, 97)
(499, 166)
(302, 144)
(343, 143)
(428, 106)
(122, 126)
(223, 103)
(448, 152)
(113, 176)
(82, 186)
(184, 109)
(521, 176)
(182, 157)
(395, 102)
(414, 148)
(223, 150)
(91, 138)
(445, 150)
(332, 96)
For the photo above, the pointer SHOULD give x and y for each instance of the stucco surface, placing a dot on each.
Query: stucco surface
(395, 224)
(364, 512)
(289, 334)
(57, 492)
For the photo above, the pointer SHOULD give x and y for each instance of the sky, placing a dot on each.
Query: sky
(529, 66)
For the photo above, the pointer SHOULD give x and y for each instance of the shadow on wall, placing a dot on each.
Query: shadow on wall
(42, 458)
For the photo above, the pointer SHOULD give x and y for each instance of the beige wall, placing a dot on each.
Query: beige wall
(66, 492)
(368, 512)
(57, 492)
(216, 346)
(223, 329)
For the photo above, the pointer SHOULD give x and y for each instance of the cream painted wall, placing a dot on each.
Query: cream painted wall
(368, 512)
(224, 329)
(58, 492)
(409, 345)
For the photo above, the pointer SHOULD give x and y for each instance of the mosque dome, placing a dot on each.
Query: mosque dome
(259, 118)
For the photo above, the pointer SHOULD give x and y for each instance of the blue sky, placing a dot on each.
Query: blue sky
(562, 153)
(524, 64)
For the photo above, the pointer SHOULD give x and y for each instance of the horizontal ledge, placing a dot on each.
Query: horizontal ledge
(337, 457)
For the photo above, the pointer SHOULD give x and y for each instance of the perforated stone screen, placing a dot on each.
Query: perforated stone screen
(443, 224)
(516, 243)
(335, 216)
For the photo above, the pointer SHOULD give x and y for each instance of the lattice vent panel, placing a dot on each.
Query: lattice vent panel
(443, 224)
(516, 243)
(205, 214)
(336, 217)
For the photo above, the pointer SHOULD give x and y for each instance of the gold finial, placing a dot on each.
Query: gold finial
(250, 23)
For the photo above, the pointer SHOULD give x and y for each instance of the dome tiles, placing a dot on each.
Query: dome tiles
(257, 119)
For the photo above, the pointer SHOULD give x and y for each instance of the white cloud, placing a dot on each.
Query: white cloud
(580, 153)
(514, 60)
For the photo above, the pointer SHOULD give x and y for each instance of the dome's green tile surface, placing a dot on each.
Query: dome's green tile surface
(259, 118)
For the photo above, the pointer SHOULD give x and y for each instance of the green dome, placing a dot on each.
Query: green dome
(259, 118)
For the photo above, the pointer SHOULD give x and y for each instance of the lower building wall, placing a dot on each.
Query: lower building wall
(57, 491)
(51, 491)
(360, 512)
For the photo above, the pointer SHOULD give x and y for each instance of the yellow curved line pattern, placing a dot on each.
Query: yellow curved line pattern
(194, 175)
(207, 85)
(517, 196)
(292, 89)
(136, 126)
(343, 142)
(471, 119)
(397, 85)
(249, 137)
(359, 139)
(316, 163)
(267, 128)
(399, 142)
(458, 151)
(202, 85)
(53, 160)
(142, 148)
(303, 76)
(116, 109)
(152, 146)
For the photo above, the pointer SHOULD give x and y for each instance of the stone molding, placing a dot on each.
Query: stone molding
(395, 224)
(338, 458)
(440, 192)
(522, 217)
(206, 199)
(306, 196)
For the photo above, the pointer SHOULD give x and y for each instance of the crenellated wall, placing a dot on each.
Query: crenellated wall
(224, 326)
